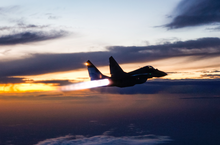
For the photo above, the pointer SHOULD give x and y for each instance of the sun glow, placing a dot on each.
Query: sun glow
(26, 87)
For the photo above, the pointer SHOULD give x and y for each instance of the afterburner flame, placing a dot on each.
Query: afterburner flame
(85, 85)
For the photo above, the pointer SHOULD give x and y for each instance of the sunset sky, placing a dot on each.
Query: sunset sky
(50, 41)
(44, 45)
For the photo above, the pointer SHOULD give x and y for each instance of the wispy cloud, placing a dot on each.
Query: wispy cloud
(52, 16)
(9, 9)
(20, 31)
(106, 140)
(28, 37)
(212, 76)
(55, 82)
(22, 26)
(18, 80)
(195, 13)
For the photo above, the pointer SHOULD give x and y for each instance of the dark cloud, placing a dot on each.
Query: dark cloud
(205, 87)
(214, 71)
(28, 37)
(195, 13)
(18, 80)
(11, 80)
(190, 47)
(46, 63)
(208, 97)
(178, 72)
(23, 27)
(55, 82)
(22, 32)
(212, 76)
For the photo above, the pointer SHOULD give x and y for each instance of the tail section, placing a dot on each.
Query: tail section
(115, 69)
(94, 73)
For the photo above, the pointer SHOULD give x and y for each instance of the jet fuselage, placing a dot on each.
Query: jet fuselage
(138, 76)
(119, 78)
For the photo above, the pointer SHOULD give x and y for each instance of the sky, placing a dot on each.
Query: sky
(44, 45)
(50, 41)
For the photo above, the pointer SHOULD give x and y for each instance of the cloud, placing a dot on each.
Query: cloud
(106, 140)
(29, 36)
(9, 9)
(23, 27)
(52, 16)
(55, 82)
(212, 76)
(11, 80)
(214, 71)
(213, 29)
(177, 48)
(18, 80)
(35, 64)
(215, 74)
(192, 86)
(195, 13)
(22, 32)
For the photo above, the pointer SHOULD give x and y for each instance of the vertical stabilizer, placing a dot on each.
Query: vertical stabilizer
(94, 73)
(115, 69)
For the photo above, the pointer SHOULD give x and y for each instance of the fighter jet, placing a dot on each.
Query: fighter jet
(119, 78)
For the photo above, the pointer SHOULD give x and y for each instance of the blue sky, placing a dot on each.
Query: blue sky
(93, 25)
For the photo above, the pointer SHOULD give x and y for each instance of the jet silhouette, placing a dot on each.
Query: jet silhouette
(119, 78)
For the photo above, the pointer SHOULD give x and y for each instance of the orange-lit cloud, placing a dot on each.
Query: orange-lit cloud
(26, 87)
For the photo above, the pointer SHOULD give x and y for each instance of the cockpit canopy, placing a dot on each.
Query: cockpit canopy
(150, 67)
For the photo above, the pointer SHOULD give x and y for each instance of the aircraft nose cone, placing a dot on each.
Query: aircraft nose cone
(163, 74)
(160, 74)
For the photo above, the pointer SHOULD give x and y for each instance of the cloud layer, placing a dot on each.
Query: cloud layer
(204, 87)
(48, 63)
(195, 13)
(106, 140)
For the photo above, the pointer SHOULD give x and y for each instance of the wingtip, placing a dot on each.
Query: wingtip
(87, 63)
